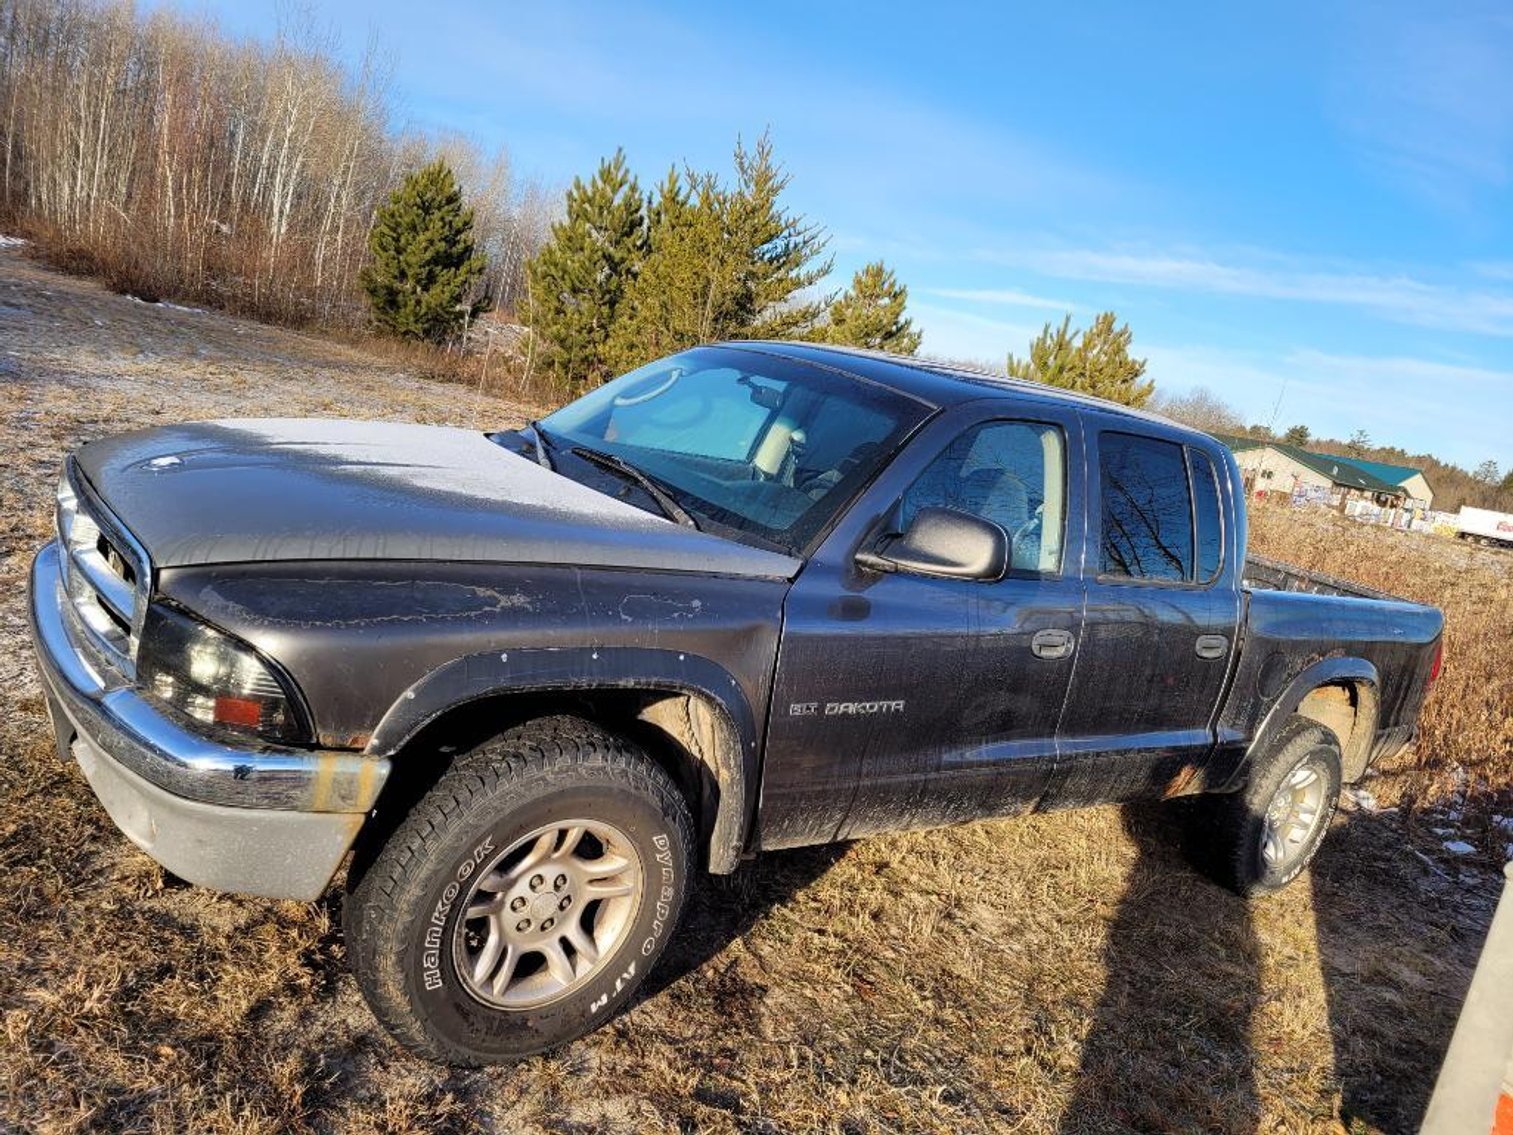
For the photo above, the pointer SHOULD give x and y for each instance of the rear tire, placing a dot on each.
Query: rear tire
(1259, 839)
(524, 898)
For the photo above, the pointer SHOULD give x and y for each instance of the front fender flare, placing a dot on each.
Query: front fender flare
(553, 670)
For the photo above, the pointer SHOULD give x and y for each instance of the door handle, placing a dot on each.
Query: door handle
(1052, 644)
(1212, 646)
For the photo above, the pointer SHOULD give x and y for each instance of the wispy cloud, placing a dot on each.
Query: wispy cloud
(1425, 92)
(1398, 297)
(951, 332)
(1437, 379)
(1003, 297)
(1395, 398)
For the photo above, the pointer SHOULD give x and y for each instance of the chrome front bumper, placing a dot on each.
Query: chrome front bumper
(261, 820)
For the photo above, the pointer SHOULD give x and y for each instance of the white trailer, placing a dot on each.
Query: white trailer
(1483, 526)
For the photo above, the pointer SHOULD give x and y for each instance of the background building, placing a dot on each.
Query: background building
(1274, 467)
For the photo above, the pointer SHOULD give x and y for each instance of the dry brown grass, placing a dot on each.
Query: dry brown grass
(1059, 973)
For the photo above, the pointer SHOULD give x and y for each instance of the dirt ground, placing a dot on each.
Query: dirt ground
(1063, 973)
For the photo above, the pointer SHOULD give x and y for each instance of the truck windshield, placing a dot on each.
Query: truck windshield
(760, 446)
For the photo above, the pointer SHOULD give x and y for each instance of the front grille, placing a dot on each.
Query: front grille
(105, 575)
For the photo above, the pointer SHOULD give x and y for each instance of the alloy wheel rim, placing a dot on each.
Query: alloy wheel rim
(547, 914)
(1293, 816)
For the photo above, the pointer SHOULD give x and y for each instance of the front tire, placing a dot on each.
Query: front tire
(1259, 839)
(525, 898)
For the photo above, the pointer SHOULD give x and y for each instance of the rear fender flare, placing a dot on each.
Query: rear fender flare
(1337, 671)
(733, 762)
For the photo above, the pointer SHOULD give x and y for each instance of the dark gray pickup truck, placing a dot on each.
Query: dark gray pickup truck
(751, 596)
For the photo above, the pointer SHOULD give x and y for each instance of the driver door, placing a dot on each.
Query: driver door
(904, 700)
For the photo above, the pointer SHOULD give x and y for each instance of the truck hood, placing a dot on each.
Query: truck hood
(261, 490)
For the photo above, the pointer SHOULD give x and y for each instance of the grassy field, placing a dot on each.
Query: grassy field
(1063, 973)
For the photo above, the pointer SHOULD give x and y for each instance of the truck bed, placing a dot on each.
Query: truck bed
(1263, 574)
(1296, 619)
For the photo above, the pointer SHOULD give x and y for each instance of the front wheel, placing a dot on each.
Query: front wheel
(1259, 839)
(524, 898)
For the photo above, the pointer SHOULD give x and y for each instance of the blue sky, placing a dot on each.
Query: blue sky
(1305, 207)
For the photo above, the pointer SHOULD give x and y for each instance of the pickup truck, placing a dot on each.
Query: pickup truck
(528, 684)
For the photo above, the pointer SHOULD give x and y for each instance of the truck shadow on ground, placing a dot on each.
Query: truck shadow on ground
(1171, 1046)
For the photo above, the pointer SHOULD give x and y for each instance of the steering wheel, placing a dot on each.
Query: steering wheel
(656, 391)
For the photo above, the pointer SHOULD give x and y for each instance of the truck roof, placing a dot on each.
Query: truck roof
(935, 382)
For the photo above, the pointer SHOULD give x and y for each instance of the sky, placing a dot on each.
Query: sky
(1306, 208)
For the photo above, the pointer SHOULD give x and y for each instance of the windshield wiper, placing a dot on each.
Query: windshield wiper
(664, 499)
(538, 435)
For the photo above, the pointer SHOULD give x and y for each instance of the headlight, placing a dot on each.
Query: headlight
(214, 678)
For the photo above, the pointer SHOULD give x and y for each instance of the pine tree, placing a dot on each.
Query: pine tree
(871, 314)
(424, 266)
(1297, 435)
(1096, 361)
(578, 280)
(780, 254)
(671, 303)
(721, 263)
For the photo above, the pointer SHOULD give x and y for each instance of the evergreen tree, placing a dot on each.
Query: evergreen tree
(578, 280)
(1359, 444)
(1297, 435)
(672, 302)
(721, 263)
(424, 266)
(1096, 361)
(779, 254)
(871, 314)
(1487, 472)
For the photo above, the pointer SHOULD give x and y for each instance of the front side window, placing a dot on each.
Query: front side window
(1012, 473)
(1147, 509)
(756, 445)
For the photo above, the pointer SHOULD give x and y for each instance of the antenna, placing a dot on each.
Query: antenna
(1271, 428)
(1277, 406)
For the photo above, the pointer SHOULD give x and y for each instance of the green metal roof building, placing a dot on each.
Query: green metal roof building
(1276, 466)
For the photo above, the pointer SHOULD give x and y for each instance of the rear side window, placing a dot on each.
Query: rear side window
(1147, 509)
(1210, 523)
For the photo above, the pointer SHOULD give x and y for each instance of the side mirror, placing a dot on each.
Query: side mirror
(944, 542)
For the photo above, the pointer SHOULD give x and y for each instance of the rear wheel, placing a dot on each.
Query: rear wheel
(1259, 839)
(525, 897)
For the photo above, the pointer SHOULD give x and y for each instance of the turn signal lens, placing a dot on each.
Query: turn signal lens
(1439, 661)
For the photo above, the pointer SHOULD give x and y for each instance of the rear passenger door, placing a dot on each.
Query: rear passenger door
(1159, 622)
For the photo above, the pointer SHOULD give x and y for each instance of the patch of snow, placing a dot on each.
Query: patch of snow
(10, 241)
(1505, 823)
(1458, 847)
(166, 305)
(1362, 799)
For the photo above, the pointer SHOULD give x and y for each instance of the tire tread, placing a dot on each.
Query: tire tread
(547, 752)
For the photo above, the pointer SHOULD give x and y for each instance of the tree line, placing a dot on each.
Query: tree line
(627, 276)
(174, 160)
